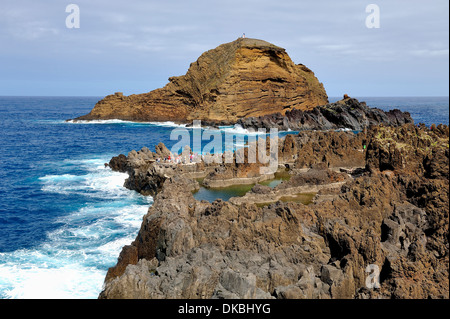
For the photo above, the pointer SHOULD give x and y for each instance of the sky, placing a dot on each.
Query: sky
(134, 46)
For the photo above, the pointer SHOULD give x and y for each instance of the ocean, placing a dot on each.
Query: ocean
(64, 217)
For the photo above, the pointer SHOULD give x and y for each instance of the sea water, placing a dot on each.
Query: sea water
(64, 217)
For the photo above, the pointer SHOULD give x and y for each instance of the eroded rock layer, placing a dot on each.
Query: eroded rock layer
(246, 77)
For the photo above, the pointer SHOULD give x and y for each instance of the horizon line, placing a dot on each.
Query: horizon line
(355, 96)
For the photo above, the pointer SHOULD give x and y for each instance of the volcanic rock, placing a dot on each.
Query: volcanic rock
(348, 113)
(395, 217)
(246, 77)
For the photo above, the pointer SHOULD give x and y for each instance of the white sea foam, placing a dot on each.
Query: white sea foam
(345, 129)
(37, 282)
(100, 182)
(114, 246)
(234, 129)
(239, 130)
(73, 260)
(116, 121)
(168, 123)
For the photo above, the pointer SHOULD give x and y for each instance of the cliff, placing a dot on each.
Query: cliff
(246, 77)
(392, 215)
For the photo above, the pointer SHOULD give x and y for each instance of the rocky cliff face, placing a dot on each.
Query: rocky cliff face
(246, 77)
(393, 217)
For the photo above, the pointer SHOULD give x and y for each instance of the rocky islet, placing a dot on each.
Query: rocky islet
(246, 77)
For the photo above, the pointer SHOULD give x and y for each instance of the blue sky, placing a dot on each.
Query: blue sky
(135, 46)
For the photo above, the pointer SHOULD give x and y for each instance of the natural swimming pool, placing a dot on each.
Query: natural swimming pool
(225, 193)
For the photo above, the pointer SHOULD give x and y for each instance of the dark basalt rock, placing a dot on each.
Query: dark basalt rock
(345, 114)
(119, 164)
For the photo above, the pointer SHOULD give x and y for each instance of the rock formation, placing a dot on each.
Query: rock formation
(251, 83)
(393, 216)
(308, 149)
(246, 77)
(347, 113)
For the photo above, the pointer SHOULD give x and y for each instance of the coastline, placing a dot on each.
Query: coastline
(169, 239)
(97, 141)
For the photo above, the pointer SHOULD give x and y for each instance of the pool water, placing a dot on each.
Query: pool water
(225, 193)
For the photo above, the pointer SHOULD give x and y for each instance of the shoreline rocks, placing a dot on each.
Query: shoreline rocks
(394, 216)
(348, 114)
(306, 150)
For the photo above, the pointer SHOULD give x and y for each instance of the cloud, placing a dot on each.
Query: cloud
(430, 53)
(329, 36)
(24, 24)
